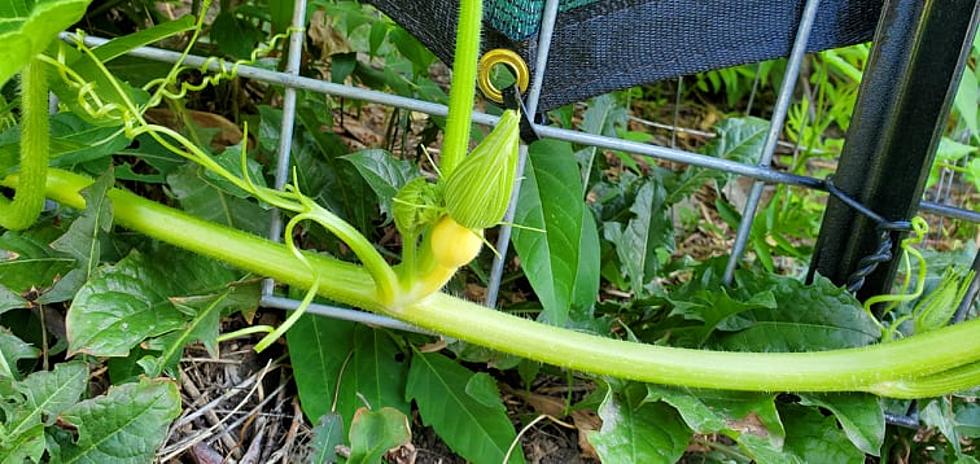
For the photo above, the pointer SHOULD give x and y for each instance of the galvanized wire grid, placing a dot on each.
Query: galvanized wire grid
(762, 173)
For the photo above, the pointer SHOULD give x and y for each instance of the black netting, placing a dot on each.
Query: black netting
(614, 44)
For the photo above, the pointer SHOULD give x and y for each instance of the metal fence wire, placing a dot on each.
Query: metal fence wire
(916, 12)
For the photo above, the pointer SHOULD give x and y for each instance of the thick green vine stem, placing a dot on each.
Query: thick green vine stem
(29, 198)
(937, 362)
(463, 88)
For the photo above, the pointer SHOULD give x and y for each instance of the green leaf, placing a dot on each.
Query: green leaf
(373, 433)
(12, 350)
(968, 420)
(73, 141)
(328, 433)
(207, 201)
(318, 350)
(121, 45)
(483, 389)
(739, 139)
(204, 326)
(281, 12)
(82, 241)
(820, 316)
(634, 430)
(376, 374)
(860, 416)
(950, 151)
(954, 421)
(45, 395)
(649, 232)
(10, 300)
(477, 432)
(561, 263)
(27, 27)
(384, 173)
(966, 101)
(341, 362)
(231, 160)
(235, 36)
(601, 117)
(815, 439)
(743, 416)
(125, 425)
(27, 261)
(123, 304)
(712, 306)
(334, 183)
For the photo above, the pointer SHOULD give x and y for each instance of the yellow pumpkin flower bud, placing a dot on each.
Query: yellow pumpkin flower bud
(478, 191)
(452, 244)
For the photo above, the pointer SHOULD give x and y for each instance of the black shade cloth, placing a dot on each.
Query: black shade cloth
(616, 44)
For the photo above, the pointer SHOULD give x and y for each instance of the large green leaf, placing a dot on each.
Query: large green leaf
(377, 374)
(860, 416)
(81, 241)
(318, 350)
(28, 26)
(200, 197)
(650, 232)
(384, 173)
(636, 431)
(125, 303)
(477, 432)
(561, 263)
(339, 365)
(126, 425)
(819, 316)
(743, 416)
(373, 433)
(812, 438)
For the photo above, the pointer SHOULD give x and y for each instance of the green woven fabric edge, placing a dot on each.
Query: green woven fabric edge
(520, 19)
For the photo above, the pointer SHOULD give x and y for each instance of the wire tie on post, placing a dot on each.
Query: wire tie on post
(886, 228)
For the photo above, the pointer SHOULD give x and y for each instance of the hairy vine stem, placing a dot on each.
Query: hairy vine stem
(463, 88)
(23, 210)
(923, 365)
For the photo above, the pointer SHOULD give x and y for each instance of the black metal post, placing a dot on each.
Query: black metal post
(920, 48)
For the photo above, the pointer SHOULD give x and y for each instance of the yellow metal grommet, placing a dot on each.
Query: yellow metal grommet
(507, 58)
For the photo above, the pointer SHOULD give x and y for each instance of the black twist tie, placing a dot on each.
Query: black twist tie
(514, 101)
(886, 229)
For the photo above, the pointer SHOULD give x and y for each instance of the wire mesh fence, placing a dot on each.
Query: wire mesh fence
(763, 173)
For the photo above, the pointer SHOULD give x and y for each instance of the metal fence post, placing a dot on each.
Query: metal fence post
(919, 51)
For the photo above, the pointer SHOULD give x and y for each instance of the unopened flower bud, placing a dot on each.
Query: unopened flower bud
(478, 191)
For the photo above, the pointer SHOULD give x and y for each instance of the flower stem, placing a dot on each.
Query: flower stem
(901, 369)
(463, 86)
(29, 199)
